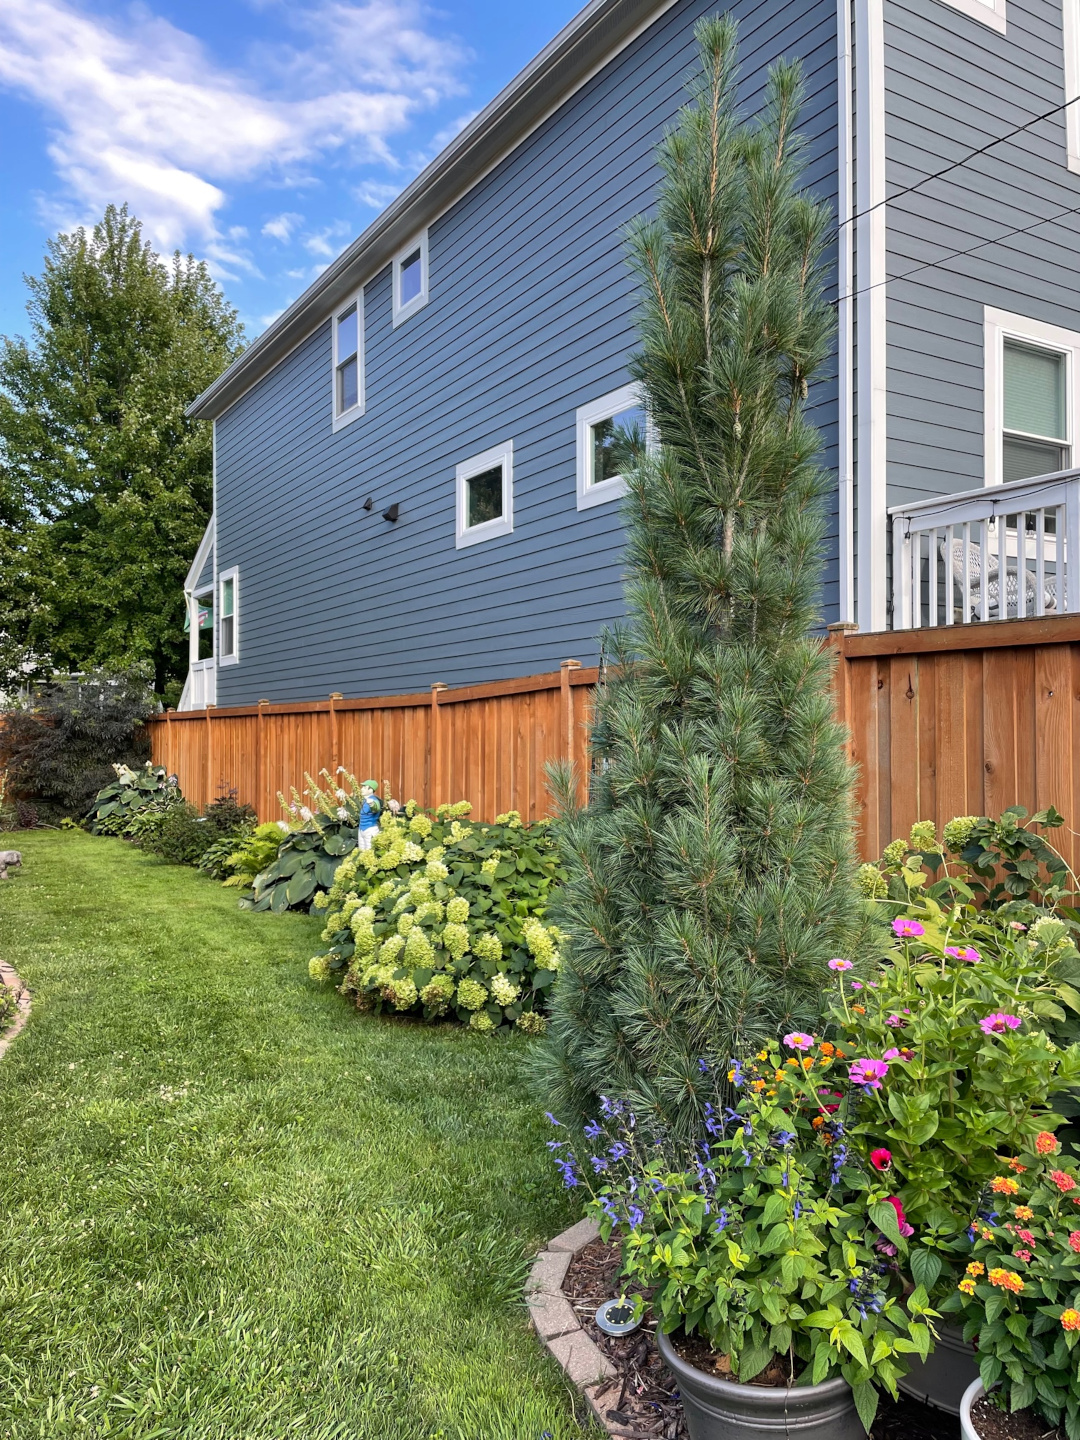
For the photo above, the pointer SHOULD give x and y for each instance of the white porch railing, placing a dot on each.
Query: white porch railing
(1004, 552)
(200, 687)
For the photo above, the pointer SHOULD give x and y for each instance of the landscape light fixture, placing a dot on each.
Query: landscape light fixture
(617, 1317)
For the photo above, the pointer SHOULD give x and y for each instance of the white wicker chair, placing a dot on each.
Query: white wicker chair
(993, 585)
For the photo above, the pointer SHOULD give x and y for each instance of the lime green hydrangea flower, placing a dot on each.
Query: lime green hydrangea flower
(503, 990)
(871, 882)
(471, 994)
(541, 942)
(455, 938)
(322, 900)
(436, 852)
(487, 946)
(406, 921)
(420, 825)
(924, 836)
(410, 808)
(436, 870)
(390, 949)
(457, 909)
(412, 852)
(419, 951)
(438, 993)
(894, 854)
(957, 832)
(319, 967)
(531, 1022)
(482, 1021)
(512, 818)
(429, 913)
(403, 993)
(489, 866)
(364, 938)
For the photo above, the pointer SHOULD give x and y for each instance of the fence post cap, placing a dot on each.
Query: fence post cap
(336, 695)
(569, 664)
(842, 627)
(439, 685)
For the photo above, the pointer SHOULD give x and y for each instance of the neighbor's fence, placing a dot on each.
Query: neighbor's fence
(957, 720)
(485, 743)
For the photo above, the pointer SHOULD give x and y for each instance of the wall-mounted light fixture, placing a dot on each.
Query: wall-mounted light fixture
(368, 503)
(391, 513)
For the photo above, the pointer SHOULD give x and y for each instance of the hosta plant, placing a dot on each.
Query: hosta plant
(769, 1238)
(446, 917)
(1020, 1295)
(132, 793)
(320, 830)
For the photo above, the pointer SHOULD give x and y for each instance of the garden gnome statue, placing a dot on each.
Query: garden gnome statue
(8, 857)
(370, 811)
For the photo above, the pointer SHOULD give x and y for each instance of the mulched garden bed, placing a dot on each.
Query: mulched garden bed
(641, 1403)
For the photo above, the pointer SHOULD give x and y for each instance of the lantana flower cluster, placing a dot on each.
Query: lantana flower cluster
(446, 917)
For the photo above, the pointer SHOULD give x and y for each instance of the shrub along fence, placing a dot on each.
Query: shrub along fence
(961, 720)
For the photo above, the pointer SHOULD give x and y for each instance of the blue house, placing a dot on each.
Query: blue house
(414, 472)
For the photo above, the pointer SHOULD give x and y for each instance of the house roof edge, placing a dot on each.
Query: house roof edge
(582, 47)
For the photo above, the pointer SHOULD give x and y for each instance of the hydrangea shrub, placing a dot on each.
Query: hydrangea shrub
(445, 917)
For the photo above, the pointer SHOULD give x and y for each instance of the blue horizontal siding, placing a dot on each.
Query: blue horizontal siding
(531, 315)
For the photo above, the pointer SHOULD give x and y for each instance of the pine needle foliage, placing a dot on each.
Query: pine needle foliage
(712, 874)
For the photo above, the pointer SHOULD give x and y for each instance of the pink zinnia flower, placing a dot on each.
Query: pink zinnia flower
(840, 964)
(901, 1218)
(798, 1041)
(893, 1054)
(869, 1073)
(856, 984)
(881, 1159)
(998, 1023)
(964, 952)
(896, 1022)
(907, 929)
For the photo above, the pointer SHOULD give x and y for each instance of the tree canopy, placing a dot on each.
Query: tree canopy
(105, 485)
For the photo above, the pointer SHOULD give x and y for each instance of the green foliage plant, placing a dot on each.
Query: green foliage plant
(1020, 1294)
(133, 794)
(181, 835)
(766, 1237)
(321, 829)
(105, 482)
(712, 874)
(444, 916)
(951, 1030)
(9, 1005)
(252, 854)
(62, 744)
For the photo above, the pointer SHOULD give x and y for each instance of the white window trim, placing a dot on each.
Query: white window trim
(232, 574)
(628, 397)
(473, 534)
(346, 417)
(1070, 18)
(403, 312)
(999, 326)
(989, 14)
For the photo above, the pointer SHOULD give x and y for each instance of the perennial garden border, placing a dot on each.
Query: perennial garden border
(556, 1322)
(9, 978)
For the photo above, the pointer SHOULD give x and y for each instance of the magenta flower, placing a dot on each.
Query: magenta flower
(896, 1022)
(894, 1054)
(907, 929)
(964, 952)
(869, 1073)
(840, 964)
(856, 984)
(798, 1041)
(998, 1023)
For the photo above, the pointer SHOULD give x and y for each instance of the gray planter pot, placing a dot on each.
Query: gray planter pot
(946, 1373)
(725, 1410)
(971, 1394)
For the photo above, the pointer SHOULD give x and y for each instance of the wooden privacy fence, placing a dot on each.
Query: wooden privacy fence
(958, 720)
(485, 743)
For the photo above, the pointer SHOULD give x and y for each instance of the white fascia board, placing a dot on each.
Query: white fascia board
(581, 50)
(206, 545)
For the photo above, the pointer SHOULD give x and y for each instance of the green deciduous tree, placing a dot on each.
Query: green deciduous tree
(712, 874)
(105, 486)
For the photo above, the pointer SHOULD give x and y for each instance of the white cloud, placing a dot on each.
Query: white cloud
(281, 227)
(377, 195)
(140, 112)
(327, 241)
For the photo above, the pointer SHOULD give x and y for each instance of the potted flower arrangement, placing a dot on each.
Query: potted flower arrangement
(1020, 1294)
(772, 1249)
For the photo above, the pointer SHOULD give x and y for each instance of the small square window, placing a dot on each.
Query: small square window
(410, 278)
(349, 362)
(485, 487)
(612, 436)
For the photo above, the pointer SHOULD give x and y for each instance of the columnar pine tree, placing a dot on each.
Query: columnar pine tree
(712, 874)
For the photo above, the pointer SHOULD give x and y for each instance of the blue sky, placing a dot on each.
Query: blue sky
(262, 135)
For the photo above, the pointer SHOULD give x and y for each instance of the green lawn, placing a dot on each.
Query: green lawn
(230, 1206)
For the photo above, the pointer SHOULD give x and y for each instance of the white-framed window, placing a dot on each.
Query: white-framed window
(989, 12)
(229, 617)
(410, 278)
(348, 398)
(1031, 403)
(1070, 17)
(485, 495)
(612, 433)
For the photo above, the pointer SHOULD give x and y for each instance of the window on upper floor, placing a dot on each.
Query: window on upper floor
(228, 617)
(410, 278)
(989, 12)
(349, 361)
(485, 495)
(1030, 403)
(611, 436)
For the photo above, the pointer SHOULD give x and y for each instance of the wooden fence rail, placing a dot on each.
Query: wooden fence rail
(485, 743)
(958, 720)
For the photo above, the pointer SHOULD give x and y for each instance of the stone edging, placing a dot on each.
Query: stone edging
(555, 1320)
(22, 1006)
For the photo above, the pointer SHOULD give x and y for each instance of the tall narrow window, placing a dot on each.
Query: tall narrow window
(485, 495)
(612, 435)
(227, 617)
(349, 361)
(1035, 432)
(410, 278)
